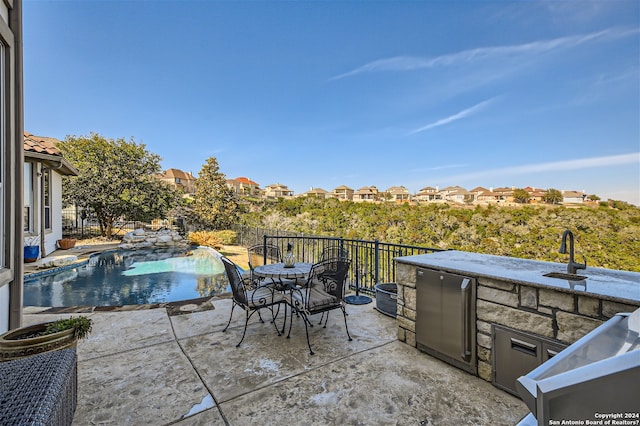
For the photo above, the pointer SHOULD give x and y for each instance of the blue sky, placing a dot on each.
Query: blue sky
(322, 94)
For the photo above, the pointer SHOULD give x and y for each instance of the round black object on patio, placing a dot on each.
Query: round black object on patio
(386, 298)
(357, 300)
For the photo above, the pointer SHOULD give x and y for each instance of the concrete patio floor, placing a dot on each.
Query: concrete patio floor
(175, 366)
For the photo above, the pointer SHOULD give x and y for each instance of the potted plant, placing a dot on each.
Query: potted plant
(66, 243)
(31, 248)
(44, 337)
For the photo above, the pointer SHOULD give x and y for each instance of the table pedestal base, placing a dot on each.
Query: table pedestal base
(357, 300)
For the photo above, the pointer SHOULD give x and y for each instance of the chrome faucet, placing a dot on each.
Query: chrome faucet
(572, 266)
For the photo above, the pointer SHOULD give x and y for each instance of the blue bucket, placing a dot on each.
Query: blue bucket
(31, 253)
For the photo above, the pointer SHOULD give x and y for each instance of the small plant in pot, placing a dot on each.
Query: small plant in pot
(48, 336)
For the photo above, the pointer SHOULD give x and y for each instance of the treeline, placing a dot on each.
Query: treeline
(608, 236)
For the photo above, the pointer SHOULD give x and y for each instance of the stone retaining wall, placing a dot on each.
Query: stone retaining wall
(564, 317)
(140, 238)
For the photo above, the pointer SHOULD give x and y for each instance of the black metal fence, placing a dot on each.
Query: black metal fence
(371, 261)
(77, 223)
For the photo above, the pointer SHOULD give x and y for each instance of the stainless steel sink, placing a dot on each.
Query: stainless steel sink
(564, 276)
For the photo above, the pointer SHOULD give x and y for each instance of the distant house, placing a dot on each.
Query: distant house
(444, 192)
(343, 193)
(179, 180)
(368, 194)
(462, 196)
(573, 197)
(277, 190)
(317, 193)
(504, 194)
(428, 193)
(478, 190)
(489, 197)
(398, 194)
(245, 187)
(536, 194)
(44, 167)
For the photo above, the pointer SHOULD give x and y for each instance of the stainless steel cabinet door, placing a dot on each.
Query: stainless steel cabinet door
(444, 317)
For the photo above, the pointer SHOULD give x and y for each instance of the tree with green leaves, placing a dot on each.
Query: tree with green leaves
(215, 204)
(521, 196)
(552, 196)
(116, 180)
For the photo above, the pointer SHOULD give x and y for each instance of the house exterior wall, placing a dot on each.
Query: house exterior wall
(11, 140)
(277, 191)
(55, 233)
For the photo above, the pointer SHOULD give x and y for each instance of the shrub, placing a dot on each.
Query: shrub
(81, 326)
(205, 238)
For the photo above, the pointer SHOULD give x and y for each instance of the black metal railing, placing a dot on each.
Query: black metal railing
(371, 261)
(77, 223)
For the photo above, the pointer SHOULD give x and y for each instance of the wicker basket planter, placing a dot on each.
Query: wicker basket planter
(386, 298)
(12, 346)
(67, 243)
(32, 339)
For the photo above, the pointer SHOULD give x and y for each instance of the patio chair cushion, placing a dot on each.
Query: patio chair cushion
(317, 299)
(316, 283)
(263, 296)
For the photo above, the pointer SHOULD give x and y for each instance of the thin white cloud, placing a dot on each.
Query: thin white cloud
(450, 166)
(431, 169)
(455, 117)
(410, 63)
(579, 164)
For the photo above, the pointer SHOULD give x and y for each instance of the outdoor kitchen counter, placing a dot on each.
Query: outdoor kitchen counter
(608, 284)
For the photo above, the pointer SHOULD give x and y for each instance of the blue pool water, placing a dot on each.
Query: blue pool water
(131, 277)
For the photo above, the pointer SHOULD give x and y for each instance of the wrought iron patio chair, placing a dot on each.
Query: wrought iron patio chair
(323, 292)
(261, 254)
(258, 255)
(333, 252)
(250, 300)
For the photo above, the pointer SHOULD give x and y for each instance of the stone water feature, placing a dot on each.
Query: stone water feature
(140, 238)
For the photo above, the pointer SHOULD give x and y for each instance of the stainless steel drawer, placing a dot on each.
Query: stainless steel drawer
(514, 354)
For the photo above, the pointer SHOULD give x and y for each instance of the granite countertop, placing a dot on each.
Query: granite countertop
(611, 284)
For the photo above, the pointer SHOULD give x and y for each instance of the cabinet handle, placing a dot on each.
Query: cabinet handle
(522, 346)
(551, 353)
(464, 288)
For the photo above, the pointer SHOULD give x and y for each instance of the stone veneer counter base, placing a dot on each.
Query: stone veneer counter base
(514, 293)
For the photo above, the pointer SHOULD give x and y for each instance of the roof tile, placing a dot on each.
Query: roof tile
(40, 144)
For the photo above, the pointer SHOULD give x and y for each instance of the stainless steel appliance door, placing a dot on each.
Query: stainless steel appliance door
(445, 317)
(514, 354)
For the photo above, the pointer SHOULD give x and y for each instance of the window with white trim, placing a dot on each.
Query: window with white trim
(46, 198)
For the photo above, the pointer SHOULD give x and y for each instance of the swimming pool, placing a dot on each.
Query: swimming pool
(131, 277)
